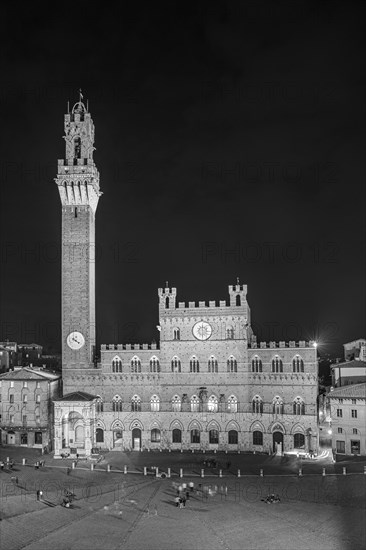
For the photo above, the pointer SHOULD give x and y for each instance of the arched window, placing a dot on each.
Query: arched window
(297, 364)
(257, 438)
(195, 403)
(154, 403)
(117, 403)
(176, 334)
(195, 436)
(155, 435)
(233, 437)
(117, 364)
(77, 148)
(238, 300)
(213, 437)
(257, 405)
(136, 404)
(99, 435)
(232, 404)
(167, 303)
(212, 404)
(194, 365)
(99, 404)
(176, 404)
(213, 364)
(277, 365)
(277, 406)
(299, 441)
(229, 333)
(256, 364)
(135, 364)
(154, 364)
(176, 367)
(177, 435)
(232, 365)
(298, 406)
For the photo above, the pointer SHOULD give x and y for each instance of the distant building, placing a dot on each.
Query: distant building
(26, 396)
(355, 350)
(348, 418)
(4, 359)
(29, 354)
(12, 355)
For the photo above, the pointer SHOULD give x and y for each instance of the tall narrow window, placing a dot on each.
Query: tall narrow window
(135, 364)
(154, 364)
(256, 364)
(176, 367)
(77, 148)
(297, 364)
(166, 303)
(213, 364)
(194, 365)
(232, 365)
(277, 365)
(176, 334)
(238, 300)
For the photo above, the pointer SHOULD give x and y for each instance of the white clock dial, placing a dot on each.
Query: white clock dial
(75, 340)
(202, 330)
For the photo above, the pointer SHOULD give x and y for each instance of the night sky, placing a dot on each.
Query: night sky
(230, 143)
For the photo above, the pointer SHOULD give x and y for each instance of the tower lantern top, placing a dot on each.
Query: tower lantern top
(79, 108)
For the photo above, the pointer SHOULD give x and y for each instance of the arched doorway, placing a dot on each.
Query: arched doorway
(278, 442)
(79, 435)
(99, 435)
(136, 439)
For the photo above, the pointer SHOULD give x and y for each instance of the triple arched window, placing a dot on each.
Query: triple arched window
(298, 407)
(232, 365)
(154, 403)
(135, 364)
(297, 364)
(136, 404)
(195, 403)
(256, 364)
(213, 365)
(116, 364)
(257, 405)
(277, 406)
(176, 404)
(176, 366)
(99, 404)
(277, 365)
(212, 404)
(232, 404)
(117, 403)
(194, 365)
(154, 364)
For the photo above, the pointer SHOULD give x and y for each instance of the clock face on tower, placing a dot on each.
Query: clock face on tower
(75, 340)
(202, 330)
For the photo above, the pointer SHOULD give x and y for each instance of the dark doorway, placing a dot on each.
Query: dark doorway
(277, 438)
(136, 439)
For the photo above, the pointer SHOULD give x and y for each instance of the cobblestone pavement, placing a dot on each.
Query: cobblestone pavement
(114, 510)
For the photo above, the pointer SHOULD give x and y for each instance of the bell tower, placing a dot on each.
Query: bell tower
(78, 185)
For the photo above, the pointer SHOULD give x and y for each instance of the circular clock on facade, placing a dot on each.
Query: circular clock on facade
(202, 330)
(75, 340)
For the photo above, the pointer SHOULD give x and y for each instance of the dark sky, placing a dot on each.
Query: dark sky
(230, 142)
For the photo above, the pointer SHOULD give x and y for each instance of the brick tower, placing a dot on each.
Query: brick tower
(78, 185)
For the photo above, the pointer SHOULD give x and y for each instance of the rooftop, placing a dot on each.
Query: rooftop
(351, 392)
(77, 396)
(349, 364)
(28, 373)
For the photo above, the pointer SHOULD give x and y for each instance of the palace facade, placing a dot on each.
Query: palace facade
(208, 385)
